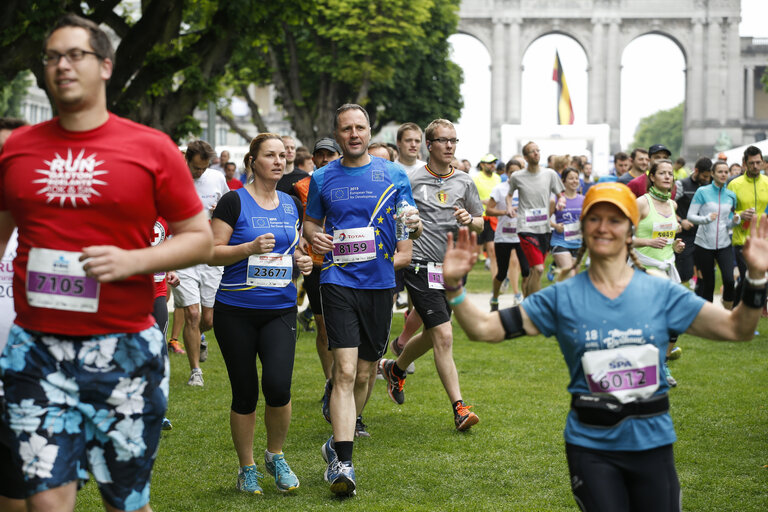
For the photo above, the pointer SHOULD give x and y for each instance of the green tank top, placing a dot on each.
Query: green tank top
(656, 225)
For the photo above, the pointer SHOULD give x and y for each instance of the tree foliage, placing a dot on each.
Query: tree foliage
(663, 127)
(12, 94)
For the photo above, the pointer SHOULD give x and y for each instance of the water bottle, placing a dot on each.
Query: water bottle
(401, 232)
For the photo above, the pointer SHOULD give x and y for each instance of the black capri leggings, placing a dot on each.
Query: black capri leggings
(160, 312)
(503, 253)
(242, 335)
(604, 480)
(705, 262)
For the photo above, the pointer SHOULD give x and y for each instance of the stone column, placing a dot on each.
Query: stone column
(498, 107)
(695, 81)
(597, 75)
(514, 72)
(613, 83)
(750, 92)
(714, 67)
(734, 92)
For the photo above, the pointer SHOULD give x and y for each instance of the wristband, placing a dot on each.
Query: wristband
(756, 283)
(452, 288)
(754, 297)
(458, 299)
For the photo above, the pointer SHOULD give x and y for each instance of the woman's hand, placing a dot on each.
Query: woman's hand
(678, 245)
(304, 263)
(263, 244)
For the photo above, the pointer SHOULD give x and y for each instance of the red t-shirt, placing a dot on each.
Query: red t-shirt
(69, 190)
(234, 184)
(639, 186)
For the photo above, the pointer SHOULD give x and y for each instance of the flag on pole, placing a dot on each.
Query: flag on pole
(564, 107)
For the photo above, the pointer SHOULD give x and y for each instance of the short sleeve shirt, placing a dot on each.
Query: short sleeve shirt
(534, 191)
(506, 229)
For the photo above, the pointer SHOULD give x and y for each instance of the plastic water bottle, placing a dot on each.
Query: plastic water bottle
(401, 232)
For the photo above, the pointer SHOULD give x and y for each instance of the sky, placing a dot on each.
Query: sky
(639, 97)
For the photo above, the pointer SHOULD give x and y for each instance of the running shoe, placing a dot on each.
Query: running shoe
(328, 451)
(305, 320)
(675, 354)
(394, 383)
(504, 285)
(360, 428)
(196, 378)
(487, 264)
(326, 407)
(463, 417)
(518, 298)
(400, 303)
(167, 424)
(203, 349)
(175, 347)
(494, 304)
(285, 479)
(551, 272)
(395, 348)
(248, 480)
(670, 379)
(341, 476)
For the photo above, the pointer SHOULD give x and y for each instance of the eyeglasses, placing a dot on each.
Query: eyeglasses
(443, 140)
(52, 58)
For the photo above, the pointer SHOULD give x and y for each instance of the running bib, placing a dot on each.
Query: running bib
(56, 280)
(356, 244)
(508, 227)
(271, 270)
(435, 275)
(535, 217)
(572, 231)
(664, 229)
(627, 373)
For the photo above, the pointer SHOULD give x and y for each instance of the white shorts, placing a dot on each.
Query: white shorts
(197, 285)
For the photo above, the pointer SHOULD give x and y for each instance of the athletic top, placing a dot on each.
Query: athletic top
(417, 164)
(359, 198)
(712, 234)
(158, 236)
(69, 190)
(687, 188)
(249, 220)
(287, 180)
(506, 229)
(656, 225)
(485, 185)
(569, 218)
(234, 184)
(436, 198)
(750, 193)
(301, 190)
(625, 178)
(210, 187)
(629, 319)
(535, 190)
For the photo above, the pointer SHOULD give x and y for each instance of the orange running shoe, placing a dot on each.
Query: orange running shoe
(175, 347)
(463, 417)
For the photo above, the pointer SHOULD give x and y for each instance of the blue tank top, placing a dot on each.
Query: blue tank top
(253, 221)
(569, 217)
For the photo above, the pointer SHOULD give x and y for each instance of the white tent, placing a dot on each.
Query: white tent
(735, 155)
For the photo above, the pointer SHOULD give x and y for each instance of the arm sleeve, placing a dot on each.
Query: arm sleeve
(693, 210)
(541, 308)
(683, 307)
(228, 208)
(315, 207)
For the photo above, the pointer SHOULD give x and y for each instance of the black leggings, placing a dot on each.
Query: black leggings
(503, 253)
(242, 335)
(705, 262)
(160, 312)
(603, 480)
(742, 264)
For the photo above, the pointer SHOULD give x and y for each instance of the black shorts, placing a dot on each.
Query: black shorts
(487, 235)
(357, 318)
(11, 478)
(624, 480)
(312, 287)
(430, 303)
(557, 249)
(399, 280)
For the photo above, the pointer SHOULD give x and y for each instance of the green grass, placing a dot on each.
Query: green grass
(512, 460)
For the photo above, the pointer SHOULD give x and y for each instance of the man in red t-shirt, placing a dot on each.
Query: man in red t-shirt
(85, 370)
(230, 168)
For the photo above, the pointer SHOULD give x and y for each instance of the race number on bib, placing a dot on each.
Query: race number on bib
(572, 231)
(628, 373)
(356, 244)
(664, 229)
(271, 270)
(435, 276)
(535, 217)
(56, 280)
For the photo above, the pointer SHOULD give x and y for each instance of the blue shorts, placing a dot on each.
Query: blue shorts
(86, 403)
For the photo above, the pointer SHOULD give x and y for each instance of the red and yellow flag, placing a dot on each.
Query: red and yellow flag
(564, 107)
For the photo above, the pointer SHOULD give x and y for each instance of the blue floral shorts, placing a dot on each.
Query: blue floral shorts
(86, 403)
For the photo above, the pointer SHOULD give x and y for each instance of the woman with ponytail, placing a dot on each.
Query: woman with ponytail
(619, 432)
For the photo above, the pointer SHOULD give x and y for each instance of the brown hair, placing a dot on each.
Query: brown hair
(388, 149)
(430, 131)
(406, 127)
(345, 107)
(98, 39)
(199, 148)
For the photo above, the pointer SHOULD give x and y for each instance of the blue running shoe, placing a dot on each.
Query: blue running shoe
(551, 272)
(326, 408)
(328, 451)
(668, 376)
(285, 479)
(167, 424)
(675, 354)
(248, 480)
(341, 476)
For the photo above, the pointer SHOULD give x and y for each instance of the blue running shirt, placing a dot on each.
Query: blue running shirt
(649, 310)
(249, 220)
(360, 197)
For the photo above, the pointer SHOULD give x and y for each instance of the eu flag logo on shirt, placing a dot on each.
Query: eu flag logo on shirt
(260, 222)
(377, 175)
(340, 194)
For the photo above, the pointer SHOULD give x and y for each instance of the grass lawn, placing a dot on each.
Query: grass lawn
(512, 460)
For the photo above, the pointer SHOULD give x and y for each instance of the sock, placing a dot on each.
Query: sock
(268, 455)
(398, 371)
(344, 450)
(197, 370)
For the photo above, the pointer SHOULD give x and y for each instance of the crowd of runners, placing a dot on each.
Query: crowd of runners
(99, 215)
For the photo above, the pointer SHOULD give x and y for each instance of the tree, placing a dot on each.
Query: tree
(12, 94)
(391, 56)
(663, 127)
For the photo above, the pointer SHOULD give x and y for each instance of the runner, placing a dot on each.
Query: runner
(485, 181)
(655, 238)
(82, 281)
(566, 234)
(358, 198)
(618, 437)
(446, 199)
(256, 232)
(510, 257)
(712, 209)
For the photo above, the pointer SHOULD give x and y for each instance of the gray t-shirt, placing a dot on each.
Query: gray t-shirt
(435, 198)
(534, 191)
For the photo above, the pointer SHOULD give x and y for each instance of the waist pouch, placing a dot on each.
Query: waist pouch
(607, 411)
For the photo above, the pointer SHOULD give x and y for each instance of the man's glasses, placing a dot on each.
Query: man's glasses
(443, 140)
(52, 58)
